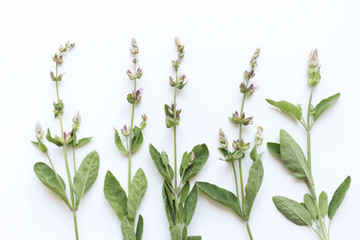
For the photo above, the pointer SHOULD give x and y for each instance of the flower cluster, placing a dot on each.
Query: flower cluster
(314, 68)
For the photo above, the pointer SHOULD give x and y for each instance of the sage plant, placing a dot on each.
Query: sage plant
(241, 203)
(179, 201)
(86, 174)
(126, 207)
(315, 208)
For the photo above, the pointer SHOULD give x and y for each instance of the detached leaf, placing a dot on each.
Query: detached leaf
(274, 148)
(201, 153)
(119, 143)
(115, 195)
(86, 175)
(139, 228)
(338, 197)
(310, 206)
(127, 230)
(51, 180)
(82, 142)
(324, 104)
(293, 157)
(287, 108)
(222, 196)
(256, 175)
(323, 204)
(137, 140)
(156, 157)
(293, 211)
(53, 140)
(190, 205)
(137, 191)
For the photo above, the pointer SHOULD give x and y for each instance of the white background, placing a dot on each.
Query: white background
(219, 38)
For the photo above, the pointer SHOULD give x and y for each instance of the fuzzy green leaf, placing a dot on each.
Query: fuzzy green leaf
(52, 140)
(115, 195)
(127, 230)
(137, 191)
(156, 157)
(139, 228)
(83, 141)
(338, 197)
(222, 196)
(293, 211)
(194, 238)
(287, 108)
(274, 148)
(55, 183)
(177, 232)
(256, 175)
(137, 140)
(40, 146)
(190, 205)
(86, 175)
(170, 213)
(119, 143)
(324, 104)
(310, 206)
(201, 153)
(323, 204)
(184, 192)
(293, 157)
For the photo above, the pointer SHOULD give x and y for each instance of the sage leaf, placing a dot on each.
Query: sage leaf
(156, 157)
(177, 232)
(41, 146)
(137, 191)
(310, 206)
(324, 104)
(52, 140)
(115, 195)
(185, 161)
(293, 157)
(323, 204)
(82, 142)
(293, 211)
(274, 148)
(184, 192)
(137, 140)
(190, 204)
(139, 228)
(194, 238)
(170, 214)
(127, 230)
(287, 108)
(256, 175)
(51, 180)
(222, 196)
(86, 175)
(338, 197)
(119, 143)
(201, 154)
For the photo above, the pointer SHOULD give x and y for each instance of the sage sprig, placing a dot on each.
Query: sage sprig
(179, 200)
(241, 203)
(314, 208)
(86, 174)
(126, 206)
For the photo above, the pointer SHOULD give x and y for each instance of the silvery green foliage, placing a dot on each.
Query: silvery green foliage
(315, 208)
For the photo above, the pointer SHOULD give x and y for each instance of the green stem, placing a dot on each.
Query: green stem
(175, 145)
(242, 187)
(248, 230)
(309, 128)
(236, 183)
(76, 226)
(74, 160)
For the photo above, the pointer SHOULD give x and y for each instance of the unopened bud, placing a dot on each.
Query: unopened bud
(143, 122)
(130, 75)
(236, 145)
(259, 136)
(139, 73)
(76, 120)
(124, 131)
(38, 130)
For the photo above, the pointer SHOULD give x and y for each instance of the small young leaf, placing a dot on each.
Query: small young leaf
(293, 157)
(137, 140)
(127, 230)
(86, 175)
(287, 108)
(115, 195)
(137, 191)
(274, 148)
(185, 161)
(54, 182)
(293, 211)
(170, 214)
(338, 197)
(52, 140)
(222, 196)
(82, 142)
(184, 192)
(190, 204)
(201, 153)
(256, 175)
(156, 157)
(139, 228)
(41, 146)
(119, 143)
(324, 104)
(323, 204)
(310, 206)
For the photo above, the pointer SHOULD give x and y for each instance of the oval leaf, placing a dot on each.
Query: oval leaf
(51, 180)
(115, 195)
(119, 143)
(86, 175)
(137, 140)
(201, 153)
(127, 230)
(222, 196)
(323, 204)
(274, 148)
(256, 175)
(190, 205)
(83, 141)
(137, 191)
(338, 197)
(310, 206)
(156, 157)
(184, 192)
(324, 104)
(287, 108)
(293, 211)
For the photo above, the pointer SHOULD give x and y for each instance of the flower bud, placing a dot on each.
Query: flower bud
(244, 146)
(314, 68)
(124, 131)
(143, 122)
(130, 75)
(171, 82)
(236, 145)
(259, 136)
(76, 120)
(38, 130)
(222, 139)
(139, 73)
